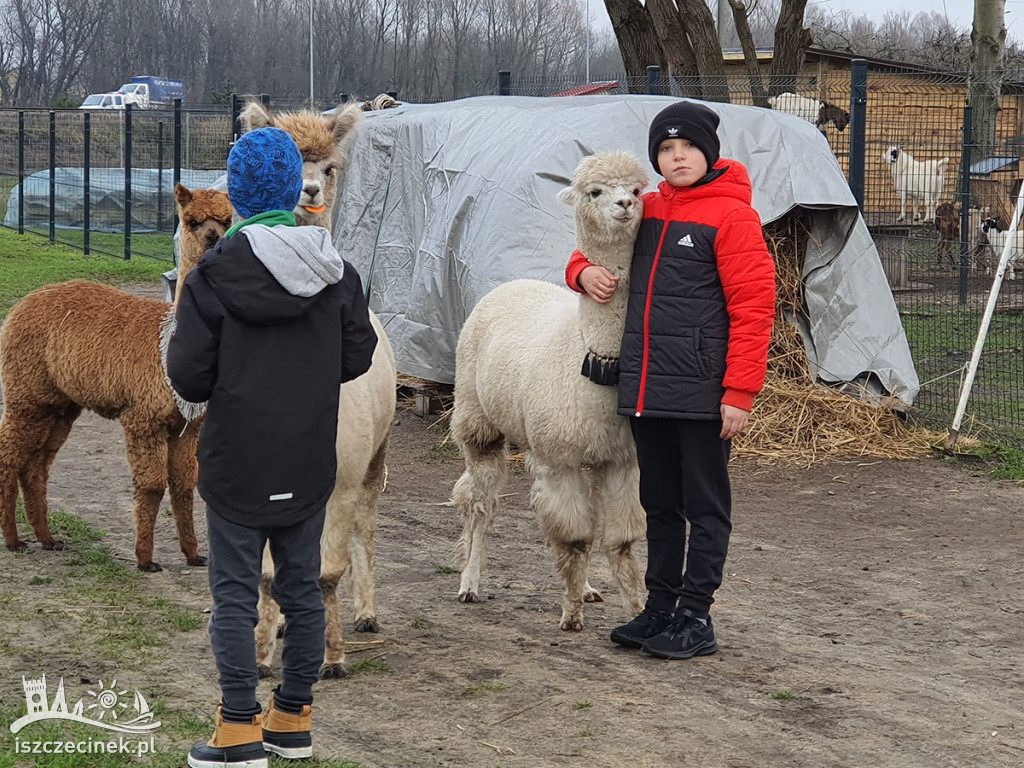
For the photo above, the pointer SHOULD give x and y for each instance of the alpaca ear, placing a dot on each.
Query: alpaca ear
(568, 196)
(255, 116)
(342, 124)
(182, 195)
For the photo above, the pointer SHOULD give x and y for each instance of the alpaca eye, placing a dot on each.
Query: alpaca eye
(193, 225)
(330, 170)
(595, 193)
(636, 192)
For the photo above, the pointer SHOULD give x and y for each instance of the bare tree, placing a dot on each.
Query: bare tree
(988, 38)
(746, 37)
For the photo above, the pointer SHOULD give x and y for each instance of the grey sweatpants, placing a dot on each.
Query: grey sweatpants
(235, 563)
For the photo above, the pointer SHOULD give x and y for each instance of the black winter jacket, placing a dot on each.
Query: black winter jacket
(270, 360)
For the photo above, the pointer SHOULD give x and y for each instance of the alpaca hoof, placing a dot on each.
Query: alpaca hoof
(571, 625)
(198, 561)
(263, 671)
(18, 546)
(367, 625)
(593, 597)
(332, 672)
(55, 545)
(468, 597)
(150, 567)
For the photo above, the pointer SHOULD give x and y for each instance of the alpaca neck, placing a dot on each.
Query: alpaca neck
(602, 324)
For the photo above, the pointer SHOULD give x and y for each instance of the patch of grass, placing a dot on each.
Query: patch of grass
(783, 695)
(446, 569)
(479, 688)
(583, 705)
(445, 449)
(419, 624)
(184, 619)
(370, 666)
(40, 580)
(28, 262)
(586, 733)
(1011, 466)
(190, 725)
(73, 530)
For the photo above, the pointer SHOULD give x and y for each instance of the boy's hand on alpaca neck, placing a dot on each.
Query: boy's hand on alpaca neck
(598, 282)
(734, 421)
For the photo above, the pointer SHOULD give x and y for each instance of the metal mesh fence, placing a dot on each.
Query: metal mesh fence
(926, 186)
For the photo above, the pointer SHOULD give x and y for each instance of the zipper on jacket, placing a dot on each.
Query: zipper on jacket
(647, 319)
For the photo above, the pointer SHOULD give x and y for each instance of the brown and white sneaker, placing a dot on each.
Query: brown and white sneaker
(288, 734)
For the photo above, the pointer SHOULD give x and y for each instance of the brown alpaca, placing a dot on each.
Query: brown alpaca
(81, 345)
(365, 412)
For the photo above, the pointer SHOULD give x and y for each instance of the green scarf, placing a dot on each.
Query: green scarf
(269, 218)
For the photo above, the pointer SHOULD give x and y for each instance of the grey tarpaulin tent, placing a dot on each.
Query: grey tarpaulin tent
(443, 202)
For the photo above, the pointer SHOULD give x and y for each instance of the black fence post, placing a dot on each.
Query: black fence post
(265, 100)
(504, 82)
(965, 199)
(858, 124)
(160, 176)
(653, 80)
(177, 152)
(236, 110)
(21, 173)
(86, 163)
(53, 176)
(127, 182)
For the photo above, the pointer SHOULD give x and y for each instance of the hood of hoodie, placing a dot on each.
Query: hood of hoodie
(727, 179)
(267, 275)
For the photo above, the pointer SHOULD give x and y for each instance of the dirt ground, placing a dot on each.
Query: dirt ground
(871, 615)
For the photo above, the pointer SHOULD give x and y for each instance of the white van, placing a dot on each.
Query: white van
(103, 101)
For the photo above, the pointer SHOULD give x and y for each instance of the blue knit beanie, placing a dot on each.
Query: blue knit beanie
(264, 172)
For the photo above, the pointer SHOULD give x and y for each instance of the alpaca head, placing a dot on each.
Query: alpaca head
(606, 191)
(205, 216)
(325, 142)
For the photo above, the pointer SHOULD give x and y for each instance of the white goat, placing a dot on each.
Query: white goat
(813, 111)
(920, 180)
(517, 378)
(997, 241)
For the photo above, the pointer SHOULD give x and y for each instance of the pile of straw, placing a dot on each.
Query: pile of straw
(794, 418)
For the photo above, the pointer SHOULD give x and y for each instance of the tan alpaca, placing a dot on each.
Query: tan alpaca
(365, 412)
(80, 345)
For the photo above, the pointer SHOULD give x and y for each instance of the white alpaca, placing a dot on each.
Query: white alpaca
(517, 378)
(365, 412)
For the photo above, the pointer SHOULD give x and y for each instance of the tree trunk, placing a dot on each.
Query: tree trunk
(791, 41)
(700, 27)
(988, 38)
(757, 92)
(682, 63)
(637, 40)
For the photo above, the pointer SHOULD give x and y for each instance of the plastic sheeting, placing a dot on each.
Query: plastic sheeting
(106, 198)
(443, 202)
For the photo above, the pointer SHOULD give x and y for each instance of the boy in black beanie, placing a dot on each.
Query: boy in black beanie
(693, 356)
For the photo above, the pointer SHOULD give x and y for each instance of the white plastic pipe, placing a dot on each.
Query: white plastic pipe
(986, 320)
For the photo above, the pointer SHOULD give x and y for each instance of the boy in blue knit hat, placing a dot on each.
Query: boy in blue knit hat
(269, 324)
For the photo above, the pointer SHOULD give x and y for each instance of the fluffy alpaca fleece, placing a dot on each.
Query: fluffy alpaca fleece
(517, 378)
(365, 411)
(81, 345)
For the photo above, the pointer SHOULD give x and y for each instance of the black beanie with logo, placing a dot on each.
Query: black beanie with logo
(686, 120)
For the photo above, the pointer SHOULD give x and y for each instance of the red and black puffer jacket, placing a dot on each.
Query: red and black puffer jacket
(701, 303)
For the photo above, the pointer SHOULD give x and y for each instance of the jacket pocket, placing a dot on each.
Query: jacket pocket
(711, 351)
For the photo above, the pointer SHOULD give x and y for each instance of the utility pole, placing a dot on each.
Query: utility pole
(311, 102)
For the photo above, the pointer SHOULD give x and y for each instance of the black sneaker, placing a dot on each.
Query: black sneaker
(648, 624)
(684, 638)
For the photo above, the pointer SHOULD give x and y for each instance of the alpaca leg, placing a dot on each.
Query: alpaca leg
(269, 615)
(35, 476)
(147, 458)
(560, 498)
(23, 433)
(182, 476)
(476, 496)
(360, 545)
(334, 640)
(617, 498)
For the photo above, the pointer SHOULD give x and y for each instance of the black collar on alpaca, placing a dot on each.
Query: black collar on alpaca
(601, 370)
